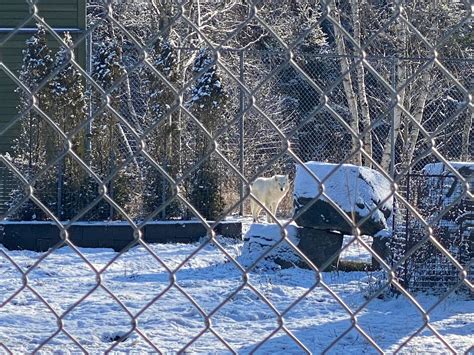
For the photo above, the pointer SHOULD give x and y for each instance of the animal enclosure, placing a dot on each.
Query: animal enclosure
(132, 115)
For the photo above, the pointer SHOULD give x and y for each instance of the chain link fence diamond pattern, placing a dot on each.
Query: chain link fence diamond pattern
(183, 105)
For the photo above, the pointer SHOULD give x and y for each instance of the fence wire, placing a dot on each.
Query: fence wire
(176, 120)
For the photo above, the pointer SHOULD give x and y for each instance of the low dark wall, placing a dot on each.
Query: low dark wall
(42, 236)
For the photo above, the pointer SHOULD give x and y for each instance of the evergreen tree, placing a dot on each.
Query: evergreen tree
(162, 143)
(33, 146)
(69, 110)
(109, 137)
(208, 104)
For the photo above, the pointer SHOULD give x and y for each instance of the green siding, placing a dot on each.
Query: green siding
(59, 14)
(11, 57)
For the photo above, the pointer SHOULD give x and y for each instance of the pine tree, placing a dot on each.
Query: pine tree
(33, 147)
(162, 143)
(69, 110)
(208, 104)
(110, 144)
(107, 69)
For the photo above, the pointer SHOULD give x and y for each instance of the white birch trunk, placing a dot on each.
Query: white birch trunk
(364, 104)
(401, 75)
(347, 83)
(397, 119)
(417, 117)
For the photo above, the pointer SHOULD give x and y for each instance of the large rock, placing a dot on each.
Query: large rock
(357, 191)
(381, 246)
(317, 246)
(321, 247)
(465, 169)
(260, 238)
(441, 190)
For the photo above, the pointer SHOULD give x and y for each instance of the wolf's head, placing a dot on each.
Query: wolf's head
(282, 181)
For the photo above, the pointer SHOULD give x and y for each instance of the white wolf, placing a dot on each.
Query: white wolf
(270, 192)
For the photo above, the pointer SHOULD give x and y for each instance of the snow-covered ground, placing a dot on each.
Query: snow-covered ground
(356, 251)
(136, 279)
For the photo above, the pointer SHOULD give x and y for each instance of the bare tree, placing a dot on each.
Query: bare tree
(417, 82)
(341, 50)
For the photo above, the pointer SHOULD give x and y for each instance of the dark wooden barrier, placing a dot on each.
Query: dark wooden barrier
(40, 236)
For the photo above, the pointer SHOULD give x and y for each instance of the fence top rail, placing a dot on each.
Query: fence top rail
(448, 174)
(329, 55)
(34, 29)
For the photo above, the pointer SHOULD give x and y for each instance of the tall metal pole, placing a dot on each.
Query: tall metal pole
(60, 183)
(241, 132)
(88, 136)
(393, 139)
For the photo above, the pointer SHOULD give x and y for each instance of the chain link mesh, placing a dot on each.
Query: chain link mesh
(185, 104)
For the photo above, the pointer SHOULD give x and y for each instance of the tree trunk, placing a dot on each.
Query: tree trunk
(364, 104)
(417, 117)
(397, 115)
(347, 83)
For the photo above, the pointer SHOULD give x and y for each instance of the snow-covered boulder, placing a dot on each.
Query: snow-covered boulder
(464, 168)
(261, 237)
(442, 192)
(381, 246)
(358, 191)
(316, 245)
(442, 188)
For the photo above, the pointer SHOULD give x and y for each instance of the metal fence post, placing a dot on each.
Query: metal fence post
(393, 138)
(88, 136)
(408, 245)
(110, 186)
(60, 185)
(241, 131)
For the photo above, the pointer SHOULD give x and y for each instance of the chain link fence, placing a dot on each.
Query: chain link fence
(178, 108)
(428, 269)
(290, 100)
